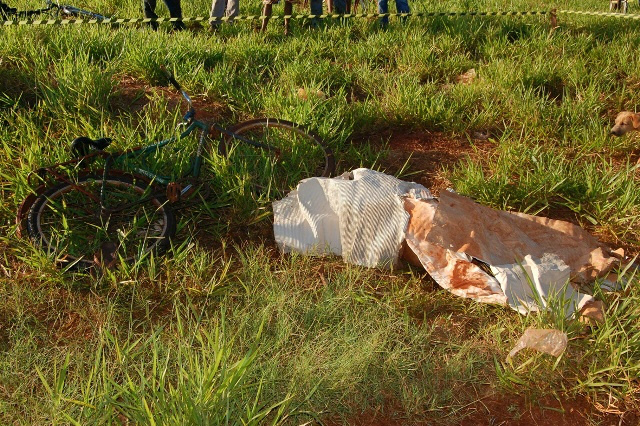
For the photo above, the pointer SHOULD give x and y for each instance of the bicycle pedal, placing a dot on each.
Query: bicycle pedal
(174, 192)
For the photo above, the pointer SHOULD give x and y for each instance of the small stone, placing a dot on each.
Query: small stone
(467, 77)
(304, 94)
(481, 135)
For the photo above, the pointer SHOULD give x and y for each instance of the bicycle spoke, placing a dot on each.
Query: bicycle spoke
(67, 220)
(283, 154)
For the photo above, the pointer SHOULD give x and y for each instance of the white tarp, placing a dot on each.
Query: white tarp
(360, 216)
(369, 218)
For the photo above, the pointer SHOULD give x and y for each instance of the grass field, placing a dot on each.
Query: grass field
(225, 330)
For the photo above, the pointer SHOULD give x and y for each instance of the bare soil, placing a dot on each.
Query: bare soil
(517, 410)
(502, 409)
(427, 154)
(133, 95)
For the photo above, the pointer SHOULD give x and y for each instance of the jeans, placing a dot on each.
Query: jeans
(316, 9)
(218, 8)
(339, 6)
(174, 11)
(402, 6)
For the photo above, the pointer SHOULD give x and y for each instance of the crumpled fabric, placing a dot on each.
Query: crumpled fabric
(470, 250)
(499, 237)
(359, 216)
(452, 270)
(531, 259)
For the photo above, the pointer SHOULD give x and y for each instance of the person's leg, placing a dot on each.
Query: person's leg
(149, 7)
(402, 6)
(339, 6)
(217, 11)
(233, 9)
(383, 7)
(288, 10)
(267, 10)
(175, 11)
(316, 9)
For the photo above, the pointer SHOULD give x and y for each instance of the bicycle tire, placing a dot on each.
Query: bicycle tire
(69, 223)
(298, 154)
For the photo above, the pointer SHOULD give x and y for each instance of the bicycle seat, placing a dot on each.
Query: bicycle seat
(83, 145)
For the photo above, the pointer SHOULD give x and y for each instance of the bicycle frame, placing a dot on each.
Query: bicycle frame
(191, 125)
(196, 162)
(89, 164)
(64, 9)
(120, 159)
(74, 11)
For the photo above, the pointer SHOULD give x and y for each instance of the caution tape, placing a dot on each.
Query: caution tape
(112, 21)
(609, 14)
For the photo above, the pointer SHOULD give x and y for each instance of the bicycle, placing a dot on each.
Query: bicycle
(56, 9)
(100, 207)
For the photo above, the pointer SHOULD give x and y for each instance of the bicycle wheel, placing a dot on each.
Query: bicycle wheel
(69, 221)
(285, 154)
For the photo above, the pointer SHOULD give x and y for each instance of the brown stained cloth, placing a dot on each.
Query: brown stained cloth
(453, 271)
(500, 238)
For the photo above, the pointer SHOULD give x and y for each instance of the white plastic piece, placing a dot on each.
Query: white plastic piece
(550, 341)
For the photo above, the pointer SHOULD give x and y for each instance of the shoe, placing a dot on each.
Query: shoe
(179, 26)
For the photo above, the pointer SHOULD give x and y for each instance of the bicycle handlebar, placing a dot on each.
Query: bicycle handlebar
(192, 112)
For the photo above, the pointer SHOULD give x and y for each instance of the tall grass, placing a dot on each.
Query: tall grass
(225, 329)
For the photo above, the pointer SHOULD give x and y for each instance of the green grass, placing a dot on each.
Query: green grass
(225, 329)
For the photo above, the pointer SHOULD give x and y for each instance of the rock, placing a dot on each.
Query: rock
(304, 94)
(468, 77)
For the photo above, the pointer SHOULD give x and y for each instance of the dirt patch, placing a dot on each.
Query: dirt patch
(516, 410)
(633, 158)
(369, 418)
(68, 317)
(496, 410)
(132, 96)
(424, 155)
